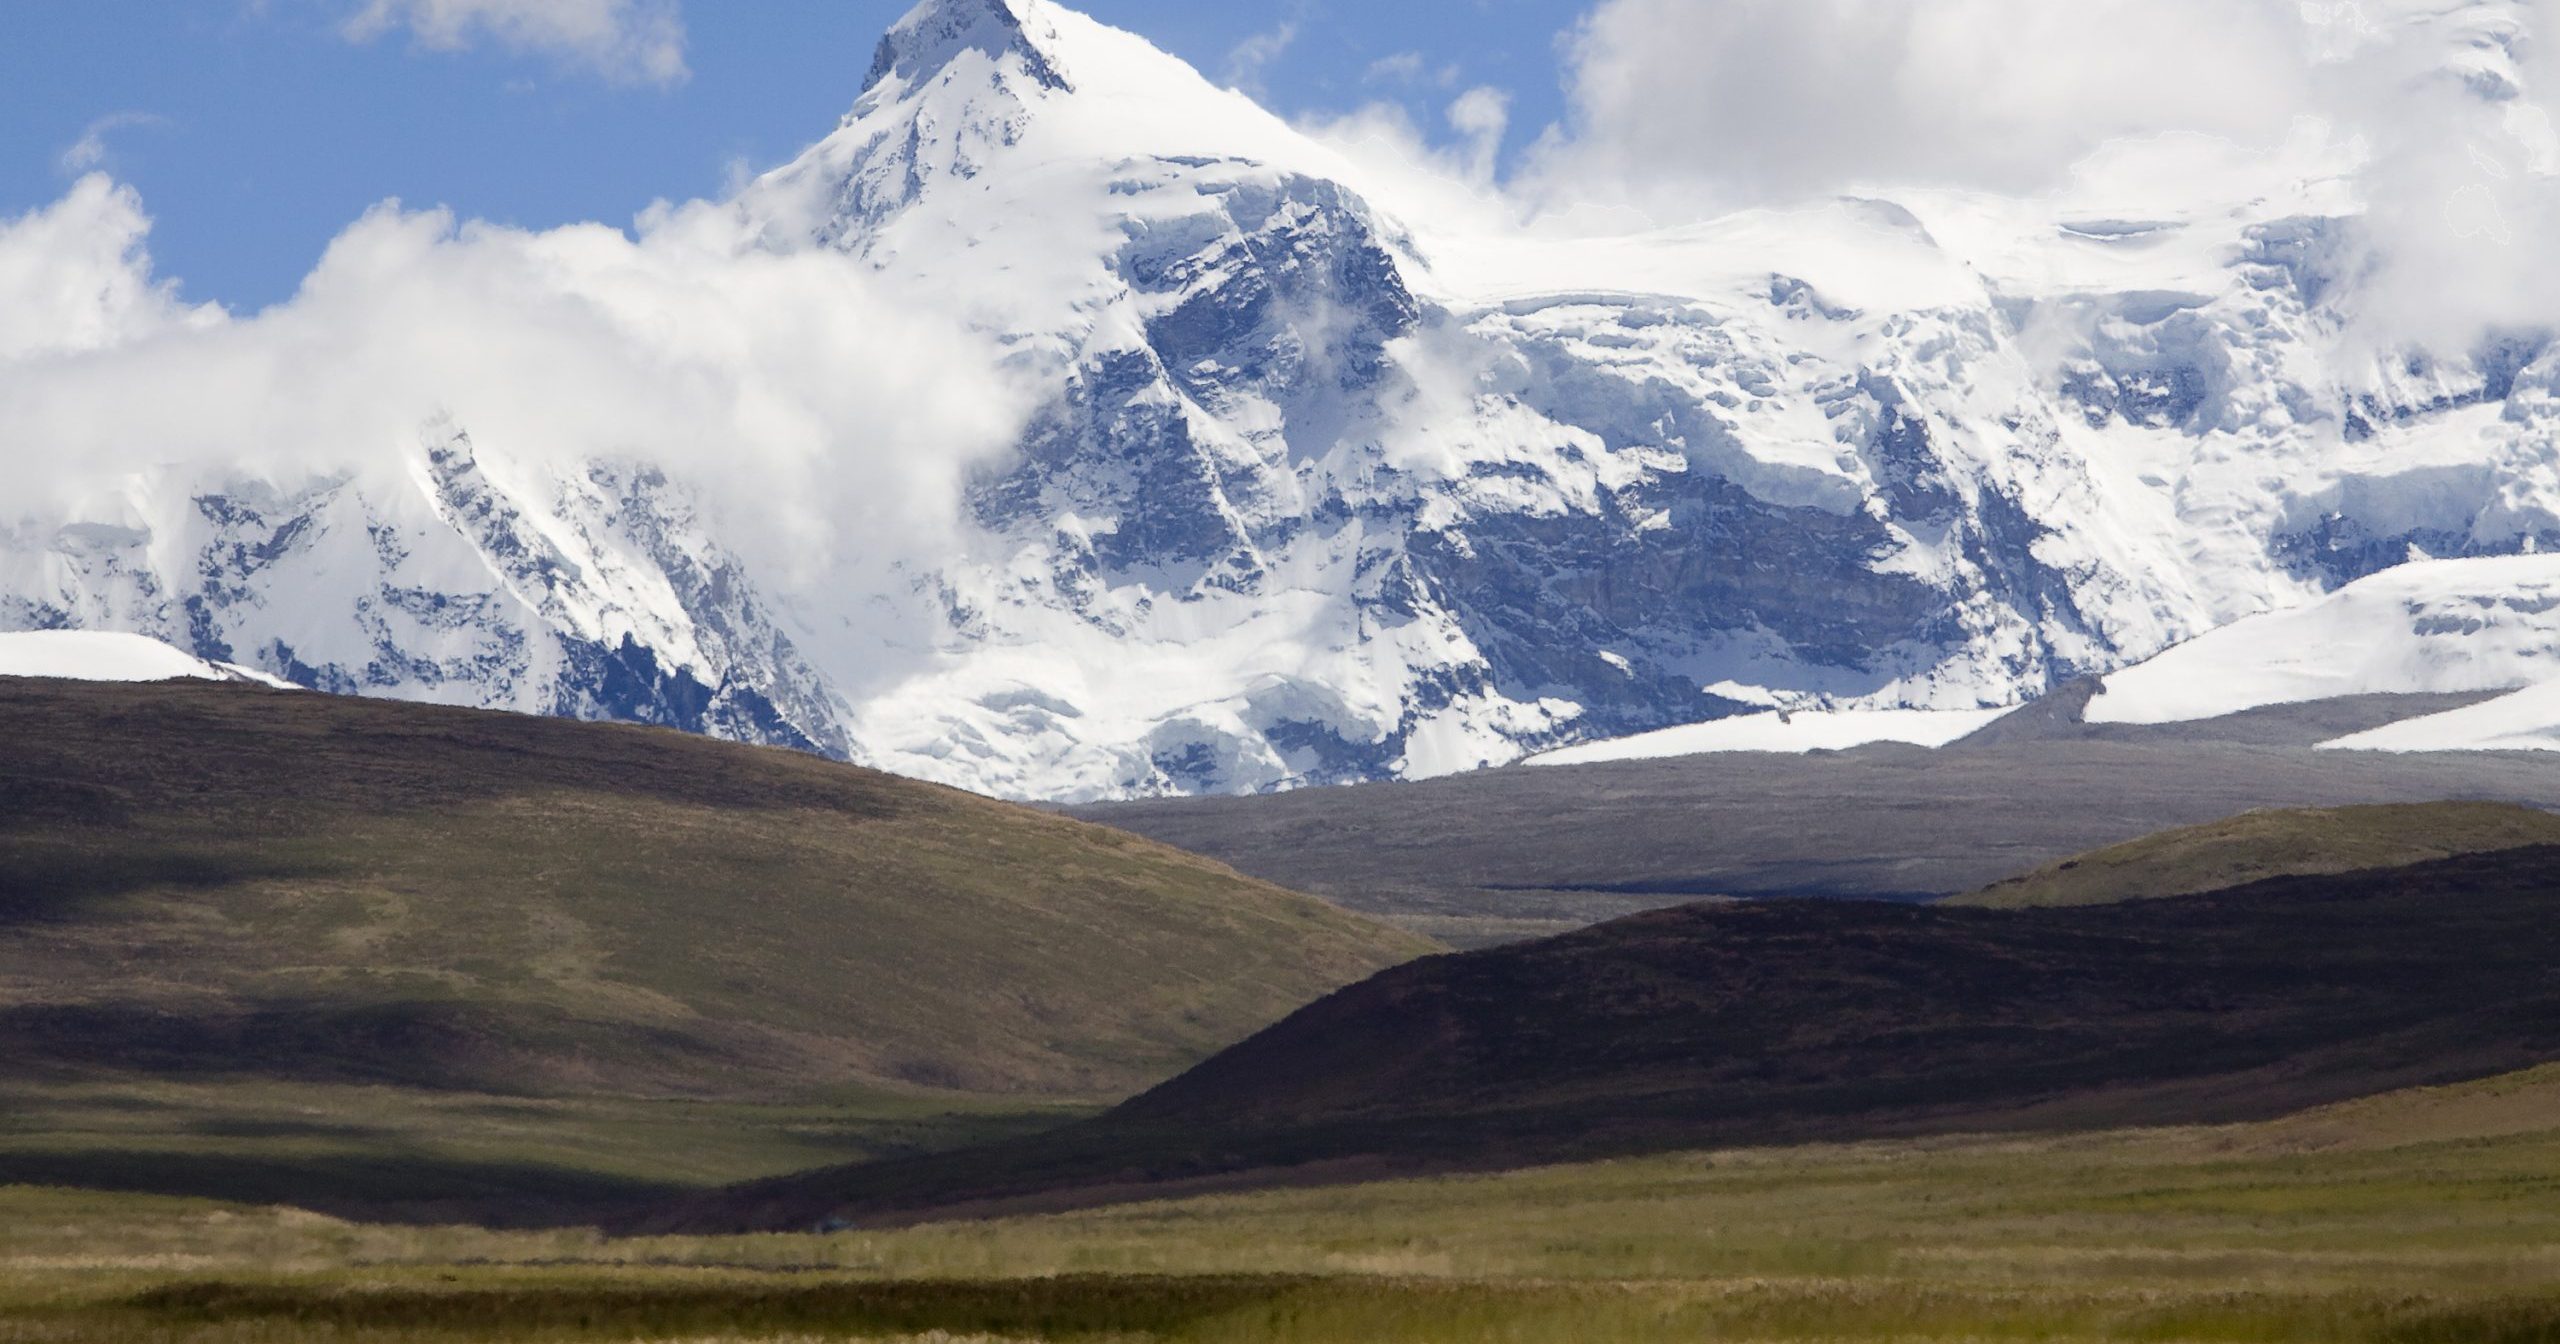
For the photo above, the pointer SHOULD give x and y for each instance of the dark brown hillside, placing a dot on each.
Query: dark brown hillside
(1781, 1021)
(215, 881)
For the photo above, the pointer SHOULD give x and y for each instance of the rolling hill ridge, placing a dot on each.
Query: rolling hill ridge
(203, 880)
(1787, 1021)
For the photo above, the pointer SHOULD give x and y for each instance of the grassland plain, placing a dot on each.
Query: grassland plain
(2420, 1217)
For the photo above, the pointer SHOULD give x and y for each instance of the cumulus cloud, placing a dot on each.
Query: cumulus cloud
(829, 422)
(76, 276)
(629, 41)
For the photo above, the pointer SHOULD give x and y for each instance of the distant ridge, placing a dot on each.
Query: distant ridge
(2278, 842)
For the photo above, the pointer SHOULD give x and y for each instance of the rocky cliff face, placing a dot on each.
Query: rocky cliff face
(1314, 494)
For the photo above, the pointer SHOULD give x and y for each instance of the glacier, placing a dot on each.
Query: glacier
(1322, 485)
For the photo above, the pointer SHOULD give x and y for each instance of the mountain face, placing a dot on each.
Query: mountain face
(1319, 493)
(595, 598)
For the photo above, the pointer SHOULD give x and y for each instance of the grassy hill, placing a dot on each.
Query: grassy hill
(203, 882)
(1809, 1020)
(2273, 843)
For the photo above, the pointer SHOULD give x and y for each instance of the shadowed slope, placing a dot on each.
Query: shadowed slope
(1786, 1021)
(218, 881)
(2258, 845)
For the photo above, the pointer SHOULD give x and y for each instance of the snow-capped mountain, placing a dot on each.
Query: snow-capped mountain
(1316, 491)
(1307, 508)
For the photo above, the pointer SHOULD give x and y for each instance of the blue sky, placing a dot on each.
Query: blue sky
(256, 130)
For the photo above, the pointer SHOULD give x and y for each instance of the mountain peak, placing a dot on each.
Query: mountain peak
(937, 32)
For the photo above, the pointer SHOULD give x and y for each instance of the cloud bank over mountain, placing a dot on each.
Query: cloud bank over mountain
(2435, 115)
(831, 420)
(1788, 98)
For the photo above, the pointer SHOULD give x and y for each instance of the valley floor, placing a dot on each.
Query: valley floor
(2418, 1216)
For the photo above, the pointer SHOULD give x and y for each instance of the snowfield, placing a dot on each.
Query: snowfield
(2528, 720)
(99, 655)
(1794, 734)
(2439, 626)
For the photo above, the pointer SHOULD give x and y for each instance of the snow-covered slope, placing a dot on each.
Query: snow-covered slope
(1317, 493)
(2528, 720)
(1794, 733)
(106, 655)
(2442, 626)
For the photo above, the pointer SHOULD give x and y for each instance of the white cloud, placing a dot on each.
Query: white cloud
(2437, 115)
(1481, 116)
(1405, 67)
(90, 150)
(828, 421)
(1414, 177)
(74, 276)
(630, 41)
(2461, 170)
(1754, 99)
(1255, 54)
(1409, 69)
